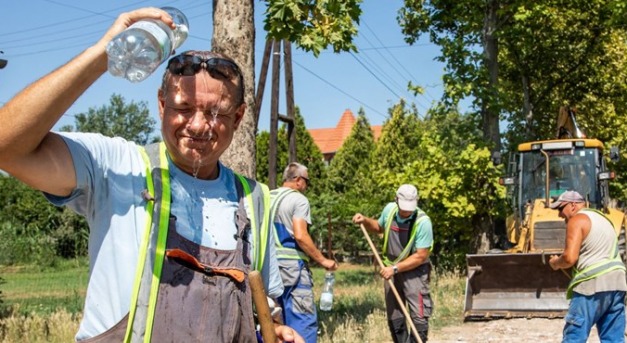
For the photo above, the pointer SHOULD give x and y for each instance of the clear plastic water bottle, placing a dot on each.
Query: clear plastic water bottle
(136, 52)
(326, 298)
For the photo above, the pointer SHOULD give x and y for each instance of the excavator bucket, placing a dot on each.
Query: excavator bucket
(514, 285)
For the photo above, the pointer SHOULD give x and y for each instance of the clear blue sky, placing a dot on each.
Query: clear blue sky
(37, 36)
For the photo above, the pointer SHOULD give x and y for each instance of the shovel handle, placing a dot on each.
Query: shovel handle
(401, 304)
(263, 309)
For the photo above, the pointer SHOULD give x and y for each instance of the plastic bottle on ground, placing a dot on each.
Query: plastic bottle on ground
(136, 52)
(326, 298)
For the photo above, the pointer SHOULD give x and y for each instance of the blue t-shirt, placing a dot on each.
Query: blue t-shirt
(110, 176)
(424, 236)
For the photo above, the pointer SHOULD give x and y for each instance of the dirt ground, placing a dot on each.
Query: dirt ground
(537, 330)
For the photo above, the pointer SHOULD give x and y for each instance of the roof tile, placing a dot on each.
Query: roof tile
(329, 140)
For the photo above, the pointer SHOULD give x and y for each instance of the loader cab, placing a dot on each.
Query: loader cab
(546, 169)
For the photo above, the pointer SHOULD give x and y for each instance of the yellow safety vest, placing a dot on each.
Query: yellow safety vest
(420, 217)
(152, 249)
(602, 267)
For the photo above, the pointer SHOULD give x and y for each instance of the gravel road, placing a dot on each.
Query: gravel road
(536, 330)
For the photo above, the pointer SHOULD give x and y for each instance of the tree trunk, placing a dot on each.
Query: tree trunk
(234, 36)
(490, 108)
(489, 111)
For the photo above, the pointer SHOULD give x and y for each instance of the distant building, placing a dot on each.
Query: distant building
(330, 140)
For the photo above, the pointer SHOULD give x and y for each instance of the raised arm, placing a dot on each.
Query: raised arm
(28, 150)
(370, 224)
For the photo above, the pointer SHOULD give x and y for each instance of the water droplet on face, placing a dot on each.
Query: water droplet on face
(196, 166)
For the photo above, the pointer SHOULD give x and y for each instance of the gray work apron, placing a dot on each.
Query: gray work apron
(194, 307)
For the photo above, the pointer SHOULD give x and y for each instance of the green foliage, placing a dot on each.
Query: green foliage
(21, 205)
(263, 155)
(349, 183)
(578, 59)
(314, 24)
(23, 246)
(443, 154)
(549, 53)
(458, 185)
(445, 157)
(307, 153)
(395, 149)
(33, 230)
(456, 26)
(350, 168)
(118, 119)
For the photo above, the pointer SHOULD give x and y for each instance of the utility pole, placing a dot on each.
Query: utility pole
(273, 47)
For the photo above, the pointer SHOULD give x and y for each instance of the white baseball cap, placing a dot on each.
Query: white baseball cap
(407, 197)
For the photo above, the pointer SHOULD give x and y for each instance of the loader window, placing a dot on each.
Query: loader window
(571, 169)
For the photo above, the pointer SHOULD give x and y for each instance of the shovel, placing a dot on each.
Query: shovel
(401, 304)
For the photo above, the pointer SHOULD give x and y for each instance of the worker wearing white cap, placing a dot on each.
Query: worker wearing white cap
(407, 243)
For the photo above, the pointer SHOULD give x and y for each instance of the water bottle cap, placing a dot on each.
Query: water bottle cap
(329, 274)
(182, 26)
(177, 15)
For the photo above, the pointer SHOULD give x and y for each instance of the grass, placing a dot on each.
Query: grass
(358, 313)
(47, 303)
(30, 289)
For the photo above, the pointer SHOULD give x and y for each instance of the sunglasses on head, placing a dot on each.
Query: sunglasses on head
(218, 67)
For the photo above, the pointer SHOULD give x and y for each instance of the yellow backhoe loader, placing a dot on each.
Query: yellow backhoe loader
(518, 282)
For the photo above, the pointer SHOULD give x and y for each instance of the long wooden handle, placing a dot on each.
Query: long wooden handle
(263, 310)
(401, 304)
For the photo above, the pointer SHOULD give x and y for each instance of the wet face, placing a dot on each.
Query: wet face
(198, 120)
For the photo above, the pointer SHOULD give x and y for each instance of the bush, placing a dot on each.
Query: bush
(19, 246)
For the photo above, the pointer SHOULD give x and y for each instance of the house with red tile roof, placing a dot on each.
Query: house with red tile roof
(329, 140)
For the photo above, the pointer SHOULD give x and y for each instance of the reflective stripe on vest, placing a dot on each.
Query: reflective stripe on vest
(420, 217)
(602, 267)
(284, 252)
(152, 248)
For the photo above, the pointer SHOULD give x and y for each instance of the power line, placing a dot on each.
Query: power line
(403, 89)
(21, 31)
(375, 76)
(81, 27)
(339, 90)
(388, 51)
(378, 68)
(398, 63)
